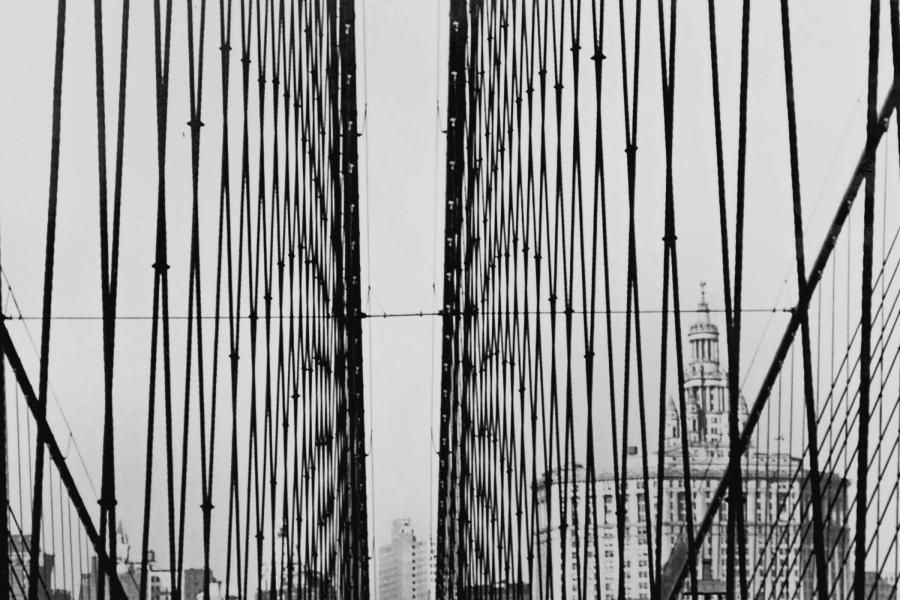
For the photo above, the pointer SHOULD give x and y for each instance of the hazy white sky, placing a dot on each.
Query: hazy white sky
(402, 59)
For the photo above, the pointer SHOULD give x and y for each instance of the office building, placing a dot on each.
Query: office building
(405, 566)
(779, 541)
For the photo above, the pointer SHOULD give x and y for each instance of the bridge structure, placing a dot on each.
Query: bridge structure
(593, 444)
(585, 448)
(273, 363)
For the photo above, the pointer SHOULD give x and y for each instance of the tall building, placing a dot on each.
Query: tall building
(778, 551)
(405, 566)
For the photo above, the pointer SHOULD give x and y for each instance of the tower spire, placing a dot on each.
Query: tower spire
(703, 306)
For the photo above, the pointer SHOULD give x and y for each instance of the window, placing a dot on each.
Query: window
(609, 512)
(682, 510)
(640, 508)
(782, 500)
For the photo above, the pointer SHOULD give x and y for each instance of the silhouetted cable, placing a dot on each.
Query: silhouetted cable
(59, 461)
(109, 264)
(406, 314)
(195, 87)
(591, 537)
(223, 250)
(726, 275)
(667, 70)
(736, 494)
(813, 444)
(37, 498)
(835, 453)
(162, 52)
(18, 574)
(859, 579)
(805, 296)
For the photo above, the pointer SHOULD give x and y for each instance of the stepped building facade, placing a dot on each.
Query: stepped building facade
(406, 565)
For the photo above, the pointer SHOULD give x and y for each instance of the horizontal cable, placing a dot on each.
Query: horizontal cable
(392, 315)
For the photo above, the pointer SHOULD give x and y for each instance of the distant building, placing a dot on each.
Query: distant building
(159, 579)
(19, 553)
(299, 584)
(405, 566)
(879, 587)
(771, 483)
(192, 585)
(128, 570)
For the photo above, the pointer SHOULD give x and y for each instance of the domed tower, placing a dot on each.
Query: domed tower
(703, 338)
(705, 386)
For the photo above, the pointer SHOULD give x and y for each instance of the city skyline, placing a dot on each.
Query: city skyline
(286, 283)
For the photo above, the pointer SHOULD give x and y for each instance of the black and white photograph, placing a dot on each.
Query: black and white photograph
(450, 299)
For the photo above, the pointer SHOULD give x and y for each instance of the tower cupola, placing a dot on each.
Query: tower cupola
(705, 387)
(703, 338)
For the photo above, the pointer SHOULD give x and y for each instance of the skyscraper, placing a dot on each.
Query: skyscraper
(405, 566)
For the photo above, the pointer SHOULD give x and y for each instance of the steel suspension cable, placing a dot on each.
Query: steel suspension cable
(49, 256)
(811, 432)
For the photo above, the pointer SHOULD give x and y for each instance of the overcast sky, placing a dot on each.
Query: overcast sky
(402, 55)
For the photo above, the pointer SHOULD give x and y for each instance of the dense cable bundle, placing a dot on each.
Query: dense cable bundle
(549, 483)
(288, 246)
(519, 265)
(286, 351)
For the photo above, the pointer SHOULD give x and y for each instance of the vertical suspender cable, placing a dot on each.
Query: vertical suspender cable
(865, 345)
(736, 493)
(456, 168)
(109, 262)
(808, 392)
(47, 300)
(162, 45)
